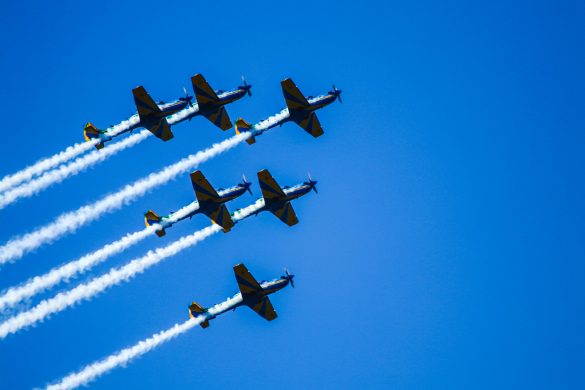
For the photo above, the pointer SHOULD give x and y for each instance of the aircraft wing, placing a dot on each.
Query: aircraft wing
(221, 216)
(265, 309)
(293, 97)
(144, 104)
(310, 124)
(162, 130)
(203, 92)
(246, 282)
(219, 117)
(286, 214)
(271, 191)
(203, 190)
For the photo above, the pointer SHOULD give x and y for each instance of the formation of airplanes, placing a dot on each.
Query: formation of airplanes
(211, 202)
(153, 116)
(209, 103)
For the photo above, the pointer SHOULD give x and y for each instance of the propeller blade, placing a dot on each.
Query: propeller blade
(247, 184)
(289, 277)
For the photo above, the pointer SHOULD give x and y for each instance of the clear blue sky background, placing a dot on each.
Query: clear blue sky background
(445, 246)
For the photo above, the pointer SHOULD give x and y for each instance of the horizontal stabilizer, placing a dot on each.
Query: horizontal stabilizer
(195, 310)
(152, 218)
(90, 132)
(242, 127)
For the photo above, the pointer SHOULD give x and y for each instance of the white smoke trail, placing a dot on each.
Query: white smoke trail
(45, 164)
(122, 126)
(73, 168)
(71, 221)
(101, 367)
(94, 370)
(38, 284)
(113, 277)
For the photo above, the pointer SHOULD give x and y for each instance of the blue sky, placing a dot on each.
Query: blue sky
(444, 249)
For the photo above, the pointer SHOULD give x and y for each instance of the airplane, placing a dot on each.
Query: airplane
(151, 116)
(211, 103)
(299, 109)
(209, 202)
(252, 293)
(155, 116)
(277, 199)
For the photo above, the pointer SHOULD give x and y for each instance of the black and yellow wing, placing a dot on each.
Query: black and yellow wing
(271, 191)
(221, 216)
(219, 117)
(292, 95)
(265, 309)
(151, 115)
(204, 191)
(310, 123)
(246, 282)
(144, 104)
(203, 92)
(286, 214)
(161, 130)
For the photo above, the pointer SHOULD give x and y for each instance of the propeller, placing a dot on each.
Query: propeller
(186, 98)
(312, 183)
(336, 92)
(288, 277)
(246, 184)
(246, 86)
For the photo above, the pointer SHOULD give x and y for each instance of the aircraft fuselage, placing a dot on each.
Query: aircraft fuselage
(268, 287)
(291, 193)
(224, 98)
(315, 104)
(167, 110)
(196, 207)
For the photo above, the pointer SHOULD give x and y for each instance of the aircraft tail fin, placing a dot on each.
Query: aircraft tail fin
(90, 132)
(242, 127)
(152, 218)
(196, 310)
